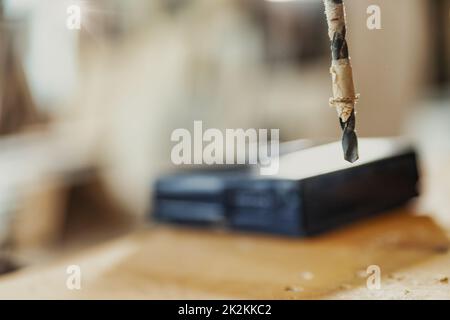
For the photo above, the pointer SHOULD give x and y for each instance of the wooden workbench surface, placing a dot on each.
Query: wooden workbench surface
(172, 263)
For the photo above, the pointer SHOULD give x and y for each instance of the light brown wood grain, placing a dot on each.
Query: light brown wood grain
(177, 263)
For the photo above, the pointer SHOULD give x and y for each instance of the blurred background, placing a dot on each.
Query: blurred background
(86, 115)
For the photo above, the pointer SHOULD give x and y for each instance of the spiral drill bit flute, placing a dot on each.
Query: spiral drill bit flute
(344, 97)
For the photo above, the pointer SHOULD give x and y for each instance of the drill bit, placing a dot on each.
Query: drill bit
(344, 97)
(349, 139)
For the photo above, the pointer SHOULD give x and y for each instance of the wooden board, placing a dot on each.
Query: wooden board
(174, 263)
